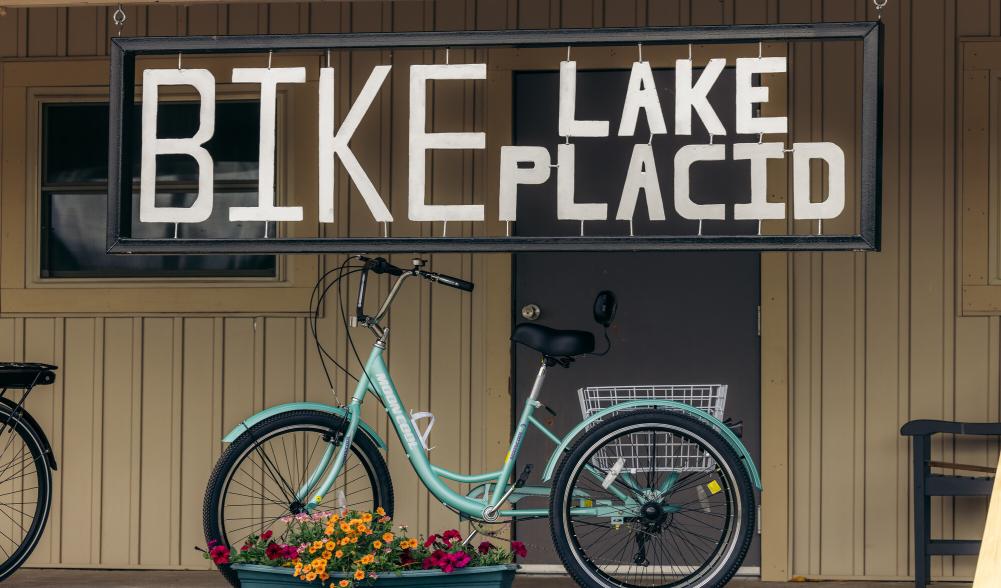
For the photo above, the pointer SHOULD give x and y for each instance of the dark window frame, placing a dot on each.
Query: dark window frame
(48, 189)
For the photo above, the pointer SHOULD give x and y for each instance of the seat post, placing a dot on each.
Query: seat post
(519, 436)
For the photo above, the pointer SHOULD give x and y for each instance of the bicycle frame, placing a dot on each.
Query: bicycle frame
(377, 381)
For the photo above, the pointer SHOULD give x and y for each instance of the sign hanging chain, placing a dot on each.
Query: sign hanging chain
(119, 17)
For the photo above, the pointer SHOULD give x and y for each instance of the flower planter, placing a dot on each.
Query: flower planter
(255, 576)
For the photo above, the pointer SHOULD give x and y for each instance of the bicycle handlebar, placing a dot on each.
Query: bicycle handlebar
(380, 266)
(457, 283)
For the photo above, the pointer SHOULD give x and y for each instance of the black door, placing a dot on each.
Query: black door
(684, 318)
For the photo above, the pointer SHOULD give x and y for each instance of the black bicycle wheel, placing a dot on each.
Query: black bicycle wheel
(254, 483)
(25, 491)
(688, 517)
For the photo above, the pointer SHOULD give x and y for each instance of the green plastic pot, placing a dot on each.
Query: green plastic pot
(255, 576)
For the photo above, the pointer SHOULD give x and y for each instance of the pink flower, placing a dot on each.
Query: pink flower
(518, 548)
(485, 547)
(451, 535)
(430, 540)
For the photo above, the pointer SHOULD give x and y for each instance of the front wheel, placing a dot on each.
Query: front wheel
(257, 480)
(652, 498)
(25, 489)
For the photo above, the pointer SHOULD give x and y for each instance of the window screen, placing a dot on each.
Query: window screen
(74, 186)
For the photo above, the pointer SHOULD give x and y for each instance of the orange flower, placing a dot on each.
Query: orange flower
(377, 544)
(387, 537)
(329, 530)
(324, 576)
(310, 576)
(344, 584)
(345, 527)
(367, 559)
(359, 575)
(338, 554)
(326, 555)
(380, 511)
(366, 517)
(330, 545)
(345, 541)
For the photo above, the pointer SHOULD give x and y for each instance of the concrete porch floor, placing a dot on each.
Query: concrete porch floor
(143, 579)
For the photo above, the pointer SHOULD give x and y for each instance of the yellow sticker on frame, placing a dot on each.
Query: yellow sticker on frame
(714, 487)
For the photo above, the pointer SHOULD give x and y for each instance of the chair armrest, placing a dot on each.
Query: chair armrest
(930, 427)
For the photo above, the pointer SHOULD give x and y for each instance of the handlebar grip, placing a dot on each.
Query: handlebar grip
(453, 282)
(380, 266)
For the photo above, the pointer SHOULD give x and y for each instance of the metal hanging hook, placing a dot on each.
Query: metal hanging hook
(270, 54)
(639, 48)
(328, 58)
(179, 68)
(447, 49)
(119, 17)
(568, 53)
(880, 5)
(759, 49)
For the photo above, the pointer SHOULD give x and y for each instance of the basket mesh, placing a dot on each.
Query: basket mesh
(639, 451)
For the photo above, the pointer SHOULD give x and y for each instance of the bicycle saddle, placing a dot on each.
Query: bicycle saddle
(553, 342)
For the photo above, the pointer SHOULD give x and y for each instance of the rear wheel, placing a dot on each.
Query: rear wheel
(652, 498)
(25, 491)
(255, 482)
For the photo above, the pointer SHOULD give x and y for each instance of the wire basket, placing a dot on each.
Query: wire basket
(638, 451)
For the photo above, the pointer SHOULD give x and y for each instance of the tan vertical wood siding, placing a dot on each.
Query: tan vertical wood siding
(874, 340)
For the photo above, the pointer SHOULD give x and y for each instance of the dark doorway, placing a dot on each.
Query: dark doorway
(684, 318)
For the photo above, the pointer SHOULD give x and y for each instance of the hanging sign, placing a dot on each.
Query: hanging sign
(750, 138)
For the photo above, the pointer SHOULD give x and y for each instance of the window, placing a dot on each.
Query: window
(74, 175)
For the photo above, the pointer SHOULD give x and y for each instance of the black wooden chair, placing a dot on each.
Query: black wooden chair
(927, 484)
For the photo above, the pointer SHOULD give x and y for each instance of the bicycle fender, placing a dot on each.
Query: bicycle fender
(291, 406)
(50, 458)
(728, 435)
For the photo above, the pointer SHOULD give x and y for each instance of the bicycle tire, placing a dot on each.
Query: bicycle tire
(362, 447)
(586, 573)
(32, 441)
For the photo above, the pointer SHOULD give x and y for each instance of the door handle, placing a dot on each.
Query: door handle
(531, 312)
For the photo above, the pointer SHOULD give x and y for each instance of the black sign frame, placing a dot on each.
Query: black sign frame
(124, 51)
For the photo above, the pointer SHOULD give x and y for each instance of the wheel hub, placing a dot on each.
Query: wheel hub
(652, 511)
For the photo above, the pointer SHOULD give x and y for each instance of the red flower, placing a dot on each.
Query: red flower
(430, 540)
(245, 547)
(451, 535)
(273, 551)
(219, 554)
(266, 535)
(485, 547)
(518, 548)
